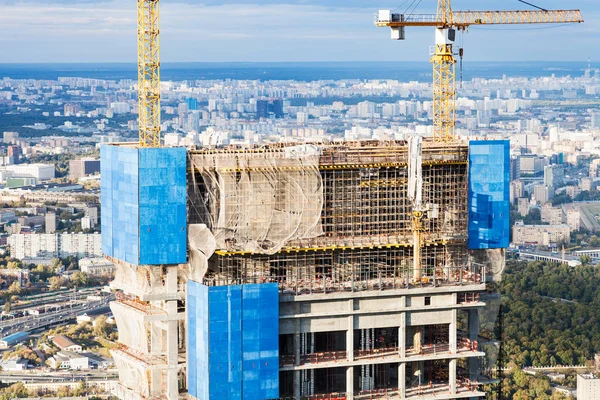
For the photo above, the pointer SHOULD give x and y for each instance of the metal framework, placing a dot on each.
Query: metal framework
(149, 72)
(443, 60)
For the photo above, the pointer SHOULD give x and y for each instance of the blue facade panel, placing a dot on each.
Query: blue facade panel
(144, 204)
(197, 300)
(489, 194)
(119, 197)
(163, 206)
(241, 344)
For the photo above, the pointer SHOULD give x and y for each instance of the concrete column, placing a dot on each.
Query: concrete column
(402, 329)
(296, 341)
(453, 333)
(452, 376)
(402, 380)
(155, 349)
(350, 333)
(473, 325)
(172, 335)
(297, 385)
(172, 359)
(350, 383)
(474, 337)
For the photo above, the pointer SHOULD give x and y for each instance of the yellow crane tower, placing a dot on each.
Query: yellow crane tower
(149, 72)
(447, 22)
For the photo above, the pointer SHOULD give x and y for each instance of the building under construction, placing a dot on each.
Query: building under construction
(303, 271)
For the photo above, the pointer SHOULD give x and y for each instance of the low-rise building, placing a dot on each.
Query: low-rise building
(14, 364)
(96, 266)
(13, 339)
(66, 344)
(69, 360)
(541, 234)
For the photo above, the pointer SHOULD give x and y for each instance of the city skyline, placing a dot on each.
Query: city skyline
(288, 31)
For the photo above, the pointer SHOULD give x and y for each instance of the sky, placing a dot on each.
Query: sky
(93, 31)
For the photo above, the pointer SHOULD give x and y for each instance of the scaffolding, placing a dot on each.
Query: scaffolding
(330, 217)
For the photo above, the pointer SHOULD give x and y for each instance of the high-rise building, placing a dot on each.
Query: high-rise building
(11, 137)
(543, 193)
(71, 109)
(554, 176)
(596, 120)
(269, 108)
(14, 154)
(50, 222)
(192, 104)
(303, 279)
(43, 245)
(302, 118)
(588, 387)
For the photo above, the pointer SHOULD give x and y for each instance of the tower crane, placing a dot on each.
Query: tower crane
(149, 72)
(446, 22)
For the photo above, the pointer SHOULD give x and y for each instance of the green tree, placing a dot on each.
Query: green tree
(79, 278)
(586, 259)
(56, 282)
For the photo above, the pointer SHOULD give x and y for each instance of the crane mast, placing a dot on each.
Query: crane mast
(446, 22)
(149, 73)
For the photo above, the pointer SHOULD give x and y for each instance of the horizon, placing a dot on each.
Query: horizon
(69, 31)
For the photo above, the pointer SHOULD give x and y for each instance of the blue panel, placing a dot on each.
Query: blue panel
(198, 360)
(234, 352)
(489, 194)
(120, 199)
(260, 327)
(163, 206)
(144, 204)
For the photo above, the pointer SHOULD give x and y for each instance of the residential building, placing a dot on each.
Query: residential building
(517, 190)
(574, 219)
(554, 176)
(523, 206)
(50, 220)
(588, 387)
(11, 137)
(96, 266)
(540, 234)
(55, 245)
(551, 215)
(543, 193)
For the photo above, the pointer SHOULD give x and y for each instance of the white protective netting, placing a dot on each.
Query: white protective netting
(138, 280)
(133, 331)
(132, 374)
(259, 201)
(202, 245)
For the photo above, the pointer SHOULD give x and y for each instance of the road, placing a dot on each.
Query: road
(30, 323)
(59, 376)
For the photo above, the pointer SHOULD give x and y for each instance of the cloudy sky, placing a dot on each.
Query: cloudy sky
(270, 30)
